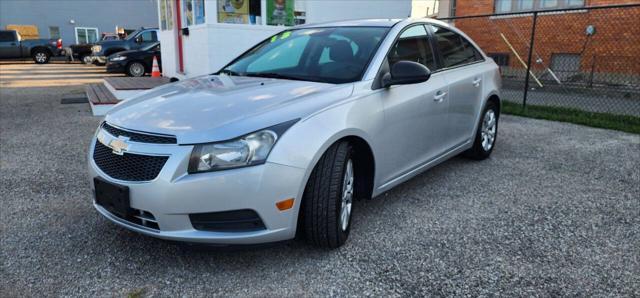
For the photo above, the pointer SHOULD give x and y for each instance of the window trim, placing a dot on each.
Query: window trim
(536, 6)
(75, 30)
(437, 50)
(434, 53)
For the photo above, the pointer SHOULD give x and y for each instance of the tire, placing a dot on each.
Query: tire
(87, 59)
(486, 134)
(135, 69)
(41, 56)
(328, 196)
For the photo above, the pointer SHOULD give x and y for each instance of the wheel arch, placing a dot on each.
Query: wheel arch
(34, 49)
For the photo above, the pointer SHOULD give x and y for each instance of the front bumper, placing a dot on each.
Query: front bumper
(175, 194)
(98, 59)
(116, 67)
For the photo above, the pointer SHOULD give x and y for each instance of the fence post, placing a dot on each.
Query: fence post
(526, 80)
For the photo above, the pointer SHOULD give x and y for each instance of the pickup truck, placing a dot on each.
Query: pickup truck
(40, 50)
(136, 40)
(83, 52)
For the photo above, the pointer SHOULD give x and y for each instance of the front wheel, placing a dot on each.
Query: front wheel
(41, 56)
(135, 69)
(328, 198)
(486, 134)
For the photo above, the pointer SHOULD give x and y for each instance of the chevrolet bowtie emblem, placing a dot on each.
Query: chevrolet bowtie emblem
(119, 145)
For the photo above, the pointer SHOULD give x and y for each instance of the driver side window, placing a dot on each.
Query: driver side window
(413, 45)
(148, 36)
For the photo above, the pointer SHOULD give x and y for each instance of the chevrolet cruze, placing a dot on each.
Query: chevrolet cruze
(283, 139)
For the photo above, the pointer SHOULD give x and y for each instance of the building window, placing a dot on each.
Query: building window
(240, 12)
(193, 12)
(502, 59)
(280, 12)
(54, 32)
(86, 35)
(507, 6)
(166, 14)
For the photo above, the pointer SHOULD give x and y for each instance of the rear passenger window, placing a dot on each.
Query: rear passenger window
(6, 36)
(454, 48)
(413, 45)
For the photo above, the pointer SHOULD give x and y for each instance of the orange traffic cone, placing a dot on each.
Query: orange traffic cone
(155, 70)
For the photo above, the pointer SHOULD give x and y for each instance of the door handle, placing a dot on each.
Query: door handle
(476, 82)
(439, 97)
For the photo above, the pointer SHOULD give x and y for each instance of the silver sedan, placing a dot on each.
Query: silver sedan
(283, 139)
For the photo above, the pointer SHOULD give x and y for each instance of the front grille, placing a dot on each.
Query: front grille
(139, 137)
(127, 167)
(228, 221)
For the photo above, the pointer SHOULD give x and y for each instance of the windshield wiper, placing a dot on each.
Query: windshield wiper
(274, 75)
(230, 72)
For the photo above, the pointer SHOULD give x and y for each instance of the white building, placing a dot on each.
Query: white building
(200, 36)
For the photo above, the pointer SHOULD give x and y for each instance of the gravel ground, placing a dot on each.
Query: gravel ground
(555, 211)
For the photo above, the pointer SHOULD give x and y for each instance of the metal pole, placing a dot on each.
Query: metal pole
(526, 80)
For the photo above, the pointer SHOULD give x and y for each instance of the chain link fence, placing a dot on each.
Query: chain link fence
(586, 58)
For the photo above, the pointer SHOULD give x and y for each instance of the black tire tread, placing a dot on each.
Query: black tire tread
(322, 191)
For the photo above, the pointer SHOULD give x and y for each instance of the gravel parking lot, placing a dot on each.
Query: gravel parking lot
(555, 211)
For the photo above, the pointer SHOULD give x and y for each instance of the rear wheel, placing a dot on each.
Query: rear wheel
(135, 69)
(40, 56)
(328, 198)
(486, 134)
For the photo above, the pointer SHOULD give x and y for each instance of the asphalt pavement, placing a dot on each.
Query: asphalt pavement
(554, 212)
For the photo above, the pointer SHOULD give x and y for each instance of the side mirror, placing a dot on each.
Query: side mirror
(406, 72)
(139, 39)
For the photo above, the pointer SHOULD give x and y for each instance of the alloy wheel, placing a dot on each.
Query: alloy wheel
(347, 196)
(136, 69)
(488, 130)
(41, 57)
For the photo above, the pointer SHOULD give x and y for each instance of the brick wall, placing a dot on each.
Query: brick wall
(615, 46)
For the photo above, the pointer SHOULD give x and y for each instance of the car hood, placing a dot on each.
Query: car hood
(105, 43)
(130, 53)
(215, 108)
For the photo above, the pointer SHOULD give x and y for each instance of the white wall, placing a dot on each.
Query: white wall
(334, 10)
(211, 45)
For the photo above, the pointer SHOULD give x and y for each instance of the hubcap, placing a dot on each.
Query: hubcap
(347, 196)
(41, 57)
(488, 130)
(137, 69)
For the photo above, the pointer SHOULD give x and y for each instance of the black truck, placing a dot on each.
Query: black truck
(134, 41)
(40, 50)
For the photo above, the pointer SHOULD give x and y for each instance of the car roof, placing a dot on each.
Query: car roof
(355, 23)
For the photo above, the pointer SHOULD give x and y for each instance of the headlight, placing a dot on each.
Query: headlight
(96, 48)
(118, 58)
(249, 150)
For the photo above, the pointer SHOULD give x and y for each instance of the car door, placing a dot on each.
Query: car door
(462, 68)
(415, 114)
(9, 45)
(146, 38)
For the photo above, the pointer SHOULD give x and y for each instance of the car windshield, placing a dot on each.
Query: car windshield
(133, 34)
(332, 55)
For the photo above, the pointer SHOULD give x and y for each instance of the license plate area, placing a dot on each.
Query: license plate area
(113, 197)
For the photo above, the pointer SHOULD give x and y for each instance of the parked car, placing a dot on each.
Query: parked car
(82, 52)
(285, 137)
(135, 63)
(12, 46)
(136, 40)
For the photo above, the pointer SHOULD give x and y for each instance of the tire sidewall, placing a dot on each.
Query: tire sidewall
(478, 140)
